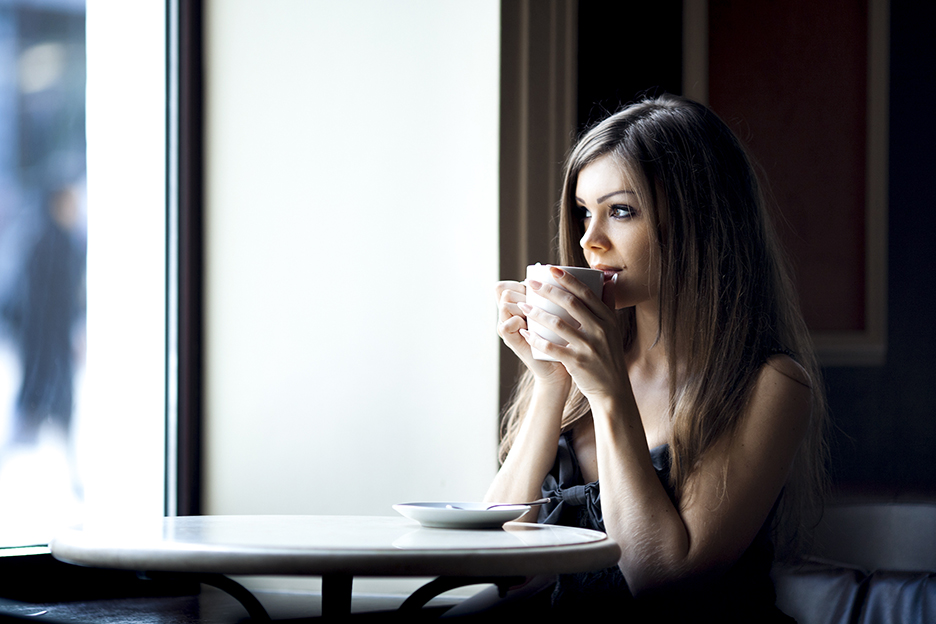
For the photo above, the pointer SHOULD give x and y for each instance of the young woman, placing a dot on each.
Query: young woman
(689, 391)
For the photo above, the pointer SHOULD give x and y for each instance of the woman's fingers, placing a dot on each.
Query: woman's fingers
(585, 327)
(510, 317)
(509, 291)
(540, 344)
(511, 326)
(579, 313)
(574, 297)
(575, 286)
(508, 304)
(507, 287)
(588, 326)
(553, 323)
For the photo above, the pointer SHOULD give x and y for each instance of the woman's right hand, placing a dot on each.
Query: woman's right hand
(510, 321)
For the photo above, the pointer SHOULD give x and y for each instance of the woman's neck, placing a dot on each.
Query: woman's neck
(648, 345)
(649, 371)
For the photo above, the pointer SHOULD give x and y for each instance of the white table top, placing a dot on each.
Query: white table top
(320, 545)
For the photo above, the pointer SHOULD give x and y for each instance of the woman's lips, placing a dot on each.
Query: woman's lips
(609, 274)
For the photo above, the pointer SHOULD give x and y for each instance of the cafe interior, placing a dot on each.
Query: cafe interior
(295, 215)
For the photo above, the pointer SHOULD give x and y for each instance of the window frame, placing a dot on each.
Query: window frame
(184, 313)
(184, 253)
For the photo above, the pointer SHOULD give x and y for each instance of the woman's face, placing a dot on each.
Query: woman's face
(617, 237)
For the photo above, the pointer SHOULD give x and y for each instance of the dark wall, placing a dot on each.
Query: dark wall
(626, 49)
(886, 442)
(883, 437)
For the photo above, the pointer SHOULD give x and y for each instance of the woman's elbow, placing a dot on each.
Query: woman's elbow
(657, 578)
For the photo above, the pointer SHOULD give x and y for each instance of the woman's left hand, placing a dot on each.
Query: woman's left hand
(594, 355)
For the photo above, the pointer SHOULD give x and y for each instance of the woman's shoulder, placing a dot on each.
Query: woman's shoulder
(781, 397)
(784, 363)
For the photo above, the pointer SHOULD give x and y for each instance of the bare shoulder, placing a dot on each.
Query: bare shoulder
(788, 367)
(739, 480)
(781, 400)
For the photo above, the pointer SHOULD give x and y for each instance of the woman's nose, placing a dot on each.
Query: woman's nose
(594, 237)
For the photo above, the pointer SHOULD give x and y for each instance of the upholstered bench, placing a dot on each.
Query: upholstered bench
(873, 563)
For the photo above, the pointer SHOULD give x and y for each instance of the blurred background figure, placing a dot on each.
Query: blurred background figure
(44, 315)
(43, 229)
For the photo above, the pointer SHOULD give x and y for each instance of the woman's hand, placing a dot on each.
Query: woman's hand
(512, 321)
(594, 355)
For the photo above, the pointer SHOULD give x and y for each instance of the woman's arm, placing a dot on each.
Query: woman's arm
(728, 495)
(534, 448)
(533, 453)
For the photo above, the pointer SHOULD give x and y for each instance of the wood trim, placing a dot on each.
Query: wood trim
(537, 122)
(188, 266)
(869, 347)
(834, 348)
(695, 50)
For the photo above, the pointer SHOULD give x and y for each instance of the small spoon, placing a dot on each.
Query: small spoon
(541, 501)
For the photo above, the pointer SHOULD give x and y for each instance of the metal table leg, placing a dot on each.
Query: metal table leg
(430, 590)
(336, 595)
(229, 586)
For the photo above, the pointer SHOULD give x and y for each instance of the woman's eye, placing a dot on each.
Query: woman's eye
(621, 211)
(582, 213)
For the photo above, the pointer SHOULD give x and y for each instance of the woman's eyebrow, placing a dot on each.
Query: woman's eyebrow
(605, 197)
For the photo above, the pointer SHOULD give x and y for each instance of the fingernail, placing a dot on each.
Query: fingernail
(526, 307)
(556, 271)
(534, 284)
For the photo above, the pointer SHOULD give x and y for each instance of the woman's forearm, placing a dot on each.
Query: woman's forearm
(726, 500)
(638, 513)
(533, 452)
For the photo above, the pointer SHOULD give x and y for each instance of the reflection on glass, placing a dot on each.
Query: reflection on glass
(43, 229)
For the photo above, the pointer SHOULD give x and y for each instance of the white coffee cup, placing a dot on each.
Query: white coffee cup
(593, 278)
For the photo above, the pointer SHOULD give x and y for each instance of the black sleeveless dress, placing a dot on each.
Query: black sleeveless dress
(744, 594)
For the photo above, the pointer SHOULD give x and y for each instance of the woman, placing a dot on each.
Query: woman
(689, 392)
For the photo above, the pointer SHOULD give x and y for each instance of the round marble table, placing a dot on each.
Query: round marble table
(337, 548)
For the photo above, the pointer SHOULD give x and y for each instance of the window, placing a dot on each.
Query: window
(43, 234)
(99, 74)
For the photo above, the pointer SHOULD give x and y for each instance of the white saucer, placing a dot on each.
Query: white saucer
(469, 516)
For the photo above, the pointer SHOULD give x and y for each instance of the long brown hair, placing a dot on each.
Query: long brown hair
(726, 299)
